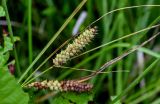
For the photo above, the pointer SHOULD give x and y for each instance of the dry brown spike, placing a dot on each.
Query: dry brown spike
(74, 48)
(73, 85)
(69, 85)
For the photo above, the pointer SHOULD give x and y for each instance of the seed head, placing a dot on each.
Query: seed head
(78, 44)
(70, 85)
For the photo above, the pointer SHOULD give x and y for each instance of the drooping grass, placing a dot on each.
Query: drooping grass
(102, 79)
(106, 44)
(118, 81)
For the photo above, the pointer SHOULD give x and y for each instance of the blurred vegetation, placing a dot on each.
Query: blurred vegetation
(49, 15)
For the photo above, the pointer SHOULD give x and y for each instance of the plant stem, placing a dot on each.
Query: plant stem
(45, 61)
(18, 72)
(30, 31)
(52, 39)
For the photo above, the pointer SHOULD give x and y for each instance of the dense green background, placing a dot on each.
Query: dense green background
(49, 15)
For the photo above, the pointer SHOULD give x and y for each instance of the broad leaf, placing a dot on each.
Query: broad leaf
(4, 50)
(10, 91)
(72, 98)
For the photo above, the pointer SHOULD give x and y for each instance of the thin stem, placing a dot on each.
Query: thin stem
(37, 76)
(30, 31)
(46, 60)
(107, 64)
(126, 36)
(18, 71)
(88, 51)
(24, 84)
(52, 39)
(119, 9)
(135, 82)
(99, 46)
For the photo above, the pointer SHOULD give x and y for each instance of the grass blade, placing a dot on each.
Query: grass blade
(136, 81)
(52, 39)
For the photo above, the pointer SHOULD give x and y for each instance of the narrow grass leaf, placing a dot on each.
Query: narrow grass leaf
(136, 81)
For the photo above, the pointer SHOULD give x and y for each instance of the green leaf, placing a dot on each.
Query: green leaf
(72, 97)
(3, 59)
(2, 12)
(4, 51)
(113, 97)
(48, 11)
(16, 38)
(8, 45)
(10, 91)
(150, 52)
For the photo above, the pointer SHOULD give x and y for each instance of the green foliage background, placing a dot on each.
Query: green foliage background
(49, 15)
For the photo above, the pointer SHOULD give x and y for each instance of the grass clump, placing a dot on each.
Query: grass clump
(115, 19)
